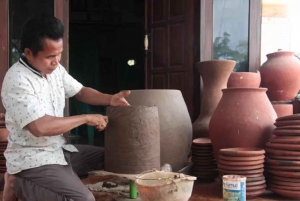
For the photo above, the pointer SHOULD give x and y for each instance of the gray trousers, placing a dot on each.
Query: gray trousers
(61, 182)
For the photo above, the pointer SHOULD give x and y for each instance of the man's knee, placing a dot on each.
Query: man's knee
(86, 196)
(90, 197)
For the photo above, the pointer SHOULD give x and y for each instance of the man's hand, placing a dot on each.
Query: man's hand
(97, 120)
(119, 99)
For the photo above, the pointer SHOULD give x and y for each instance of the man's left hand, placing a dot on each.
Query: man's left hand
(119, 99)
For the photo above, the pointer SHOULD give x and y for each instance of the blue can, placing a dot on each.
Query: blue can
(234, 188)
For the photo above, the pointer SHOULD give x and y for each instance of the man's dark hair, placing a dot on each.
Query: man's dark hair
(37, 28)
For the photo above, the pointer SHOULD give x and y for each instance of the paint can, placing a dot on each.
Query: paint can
(234, 188)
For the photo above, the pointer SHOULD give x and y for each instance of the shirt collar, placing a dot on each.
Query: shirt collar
(24, 62)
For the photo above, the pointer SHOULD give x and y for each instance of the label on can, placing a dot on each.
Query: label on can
(234, 188)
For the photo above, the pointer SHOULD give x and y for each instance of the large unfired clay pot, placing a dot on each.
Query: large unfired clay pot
(132, 139)
(244, 118)
(215, 75)
(244, 79)
(280, 74)
(175, 123)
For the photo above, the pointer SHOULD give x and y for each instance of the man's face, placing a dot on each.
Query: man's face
(46, 61)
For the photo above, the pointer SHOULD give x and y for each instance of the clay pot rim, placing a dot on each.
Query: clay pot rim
(281, 102)
(245, 73)
(215, 60)
(202, 141)
(280, 53)
(244, 89)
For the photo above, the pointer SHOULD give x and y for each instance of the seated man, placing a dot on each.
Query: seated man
(40, 166)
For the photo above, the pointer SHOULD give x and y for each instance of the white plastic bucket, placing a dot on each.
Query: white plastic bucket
(165, 186)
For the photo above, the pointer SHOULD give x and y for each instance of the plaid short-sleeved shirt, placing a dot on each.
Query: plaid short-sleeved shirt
(27, 96)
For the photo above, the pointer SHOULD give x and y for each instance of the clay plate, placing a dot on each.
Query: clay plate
(253, 179)
(255, 183)
(212, 162)
(286, 132)
(242, 172)
(284, 183)
(287, 193)
(289, 147)
(253, 194)
(202, 148)
(289, 117)
(292, 188)
(255, 188)
(287, 123)
(279, 178)
(294, 127)
(204, 160)
(286, 140)
(204, 167)
(255, 175)
(279, 157)
(281, 173)
(282, 162)
(238, 163)
(283, 167)
(202, 141)
(242, 151)
(282, 152)
(203, 155)
(246, 167)
(241, 158)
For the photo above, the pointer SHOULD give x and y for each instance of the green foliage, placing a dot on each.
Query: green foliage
(222, 51)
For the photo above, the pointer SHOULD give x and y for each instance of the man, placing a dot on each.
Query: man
(40, 167)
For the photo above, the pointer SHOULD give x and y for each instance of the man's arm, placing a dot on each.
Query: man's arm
(93, 97)
(50, 126)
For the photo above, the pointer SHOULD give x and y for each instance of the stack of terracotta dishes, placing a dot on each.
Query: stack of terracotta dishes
(204, 163)
(248, 162)
(3, 143)
(283, 157)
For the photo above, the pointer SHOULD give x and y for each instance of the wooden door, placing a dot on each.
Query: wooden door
(169, 61)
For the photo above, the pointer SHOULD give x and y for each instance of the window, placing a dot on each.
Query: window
(231, 32)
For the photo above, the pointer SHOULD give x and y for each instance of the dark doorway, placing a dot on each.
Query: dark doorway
(106, 48)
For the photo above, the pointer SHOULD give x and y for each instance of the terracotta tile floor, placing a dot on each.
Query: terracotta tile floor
(201, 192)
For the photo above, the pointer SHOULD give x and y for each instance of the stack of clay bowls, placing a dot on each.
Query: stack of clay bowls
(204, 163)
(248, 162)
(283, 157)
(3, 143)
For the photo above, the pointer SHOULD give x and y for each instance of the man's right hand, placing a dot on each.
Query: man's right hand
(97, 120)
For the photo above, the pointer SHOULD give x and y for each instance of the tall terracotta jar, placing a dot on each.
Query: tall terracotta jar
(280, 74)
(244, 118)
(215, 75)
(244, 79)
(175, 123)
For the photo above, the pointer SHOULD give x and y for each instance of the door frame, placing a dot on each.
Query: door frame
(4, 48)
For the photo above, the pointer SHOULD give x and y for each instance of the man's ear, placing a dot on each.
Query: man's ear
(28, 53)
